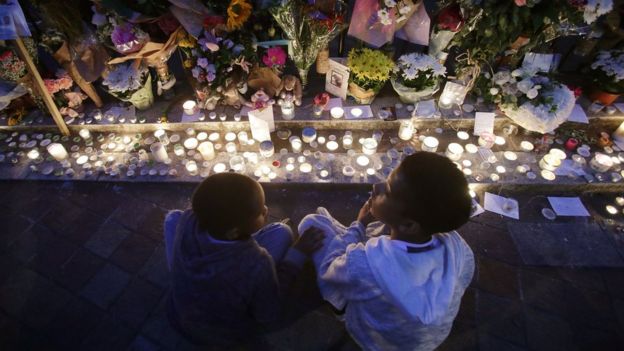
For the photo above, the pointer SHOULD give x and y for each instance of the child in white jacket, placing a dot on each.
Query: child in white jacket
(400, 279)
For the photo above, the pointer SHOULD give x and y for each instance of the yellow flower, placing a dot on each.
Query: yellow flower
(370, 64)
(238, 13)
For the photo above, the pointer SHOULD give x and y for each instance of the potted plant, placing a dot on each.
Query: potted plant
(607, 71)
(370, 69)
(533, 101)
(416, 77)
(129, 83)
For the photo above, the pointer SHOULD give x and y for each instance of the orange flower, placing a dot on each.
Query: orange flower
(238, 13)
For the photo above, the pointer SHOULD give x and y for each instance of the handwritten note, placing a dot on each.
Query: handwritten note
(262, 123)
(484, 123)
(568, 206)
(503, 206)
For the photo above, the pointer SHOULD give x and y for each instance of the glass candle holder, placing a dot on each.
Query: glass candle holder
(242, 137)
(305, 168)
(178, 150)
(222, 117)
(230, 148)
(356, 112)
(296, 144)
(601, 163)
(369, 146)
(454, 151)
(159, 152)
(191, 168)
(288, 109)
(85, 134)
(190, 143)
(161, 135)
(212, 115)
(230, 136)
(190, 107)
(317, 110)
(237, 117)
(551, 162)
(430, 144)
(406, 130)
(348, 171)
(347, 141)
(526, 146)
(57, 151)
(267, 149)
(308, 134)
(331, 145)
(237, 164)
(336, 112)
(206, 149)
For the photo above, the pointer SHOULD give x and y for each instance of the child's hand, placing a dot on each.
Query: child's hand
(365, 216)
(310, 241)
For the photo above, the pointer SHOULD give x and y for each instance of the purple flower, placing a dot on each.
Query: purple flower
(202, 62)
(211, 73)
(238, 49)
(122, 34)
(228, 43)
(196, 72)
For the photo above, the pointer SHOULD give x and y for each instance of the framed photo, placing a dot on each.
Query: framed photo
(337, 78)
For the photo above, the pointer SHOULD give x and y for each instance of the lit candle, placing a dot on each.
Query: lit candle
(230, 136)
(206, 149)
(190, 143)
(430, 144)
(601, 163)
(162, 136)
(219, 168)
(178, 150)
(267, 149)
(321, 140)
(190, 107)
(237, 163)
(242, 137)
(85, 134)
(548, 175)
(558, 153)
(510, 155)
(288, 109)
(526, 146)
(190, 131)
(406, 130)
(369, 146)
(33, 154)
(471, 148)
(362, 161)
(81, 160)
(202, 136)
(336, 112)
(305, 168)
(57, 151)
(296, 144)
(501, 169)
(445, 101)
(214, 137)
(230, 148)
(550, 162)
(347, 141)
(191, 167)
(619, 200)
(159, 152)
(332, 145)
(463, 135)
(356, 112)
(499, 140)
(611, 209)
(348, 171)
(308, 134)
(454, 151)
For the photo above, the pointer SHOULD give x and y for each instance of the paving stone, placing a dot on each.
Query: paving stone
(595, 339)
(546, 332)
(489, 342)
(501, 317)
(614, 280)
(136, 302)
(133, 252)
(99, 199)
(31, 242)
(31, 201)
(155, 269)
(142, 217)
(157, 327)
(319, 331)
(73, 323)
(543, 292)
(8, 266)
(468, 307)
(589, 308)
(52, 255)
(462, 338)
(12, 226)
(106, 285)
(110, 334)
(15, 336)
(78, 229)
(62, 215)
(79, 269)
(587, 278)
(32, 298)
(498, 278)
(107, 238)
(141, 343)
(618, 306)
(490, 241)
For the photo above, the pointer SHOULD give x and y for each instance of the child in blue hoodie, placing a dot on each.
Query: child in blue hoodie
(401, 291)
(229, 268)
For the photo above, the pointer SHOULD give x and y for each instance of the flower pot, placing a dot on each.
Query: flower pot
(411, 95)
(603, 97)
(362, 96)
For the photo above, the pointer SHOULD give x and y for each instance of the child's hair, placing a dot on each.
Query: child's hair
(224, 201)
(436, 194)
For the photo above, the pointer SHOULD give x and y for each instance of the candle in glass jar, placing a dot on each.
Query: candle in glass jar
(526, 146)
(178, 150)
(336, 112)
(308, 134)
(190, 143)
(191, 167)
(33, 154)
(558, 153)
(347, 141)
(305, 167)
(550, 162)
(487, 140)
(454, 151)
(159, 152)
(237, 163)
(369, 146)
(57, 151)
(463, 135)
(206, 149)
(230, 148)
(295, 143)
(190, 107)
(601, 162)
(362, 161)
(85, 134)
(267, 149)
(230, 136)
(430, 144)
(162, 136)
(406, 130)
(332, 145)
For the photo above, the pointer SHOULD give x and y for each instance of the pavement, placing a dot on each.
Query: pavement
(82, 266)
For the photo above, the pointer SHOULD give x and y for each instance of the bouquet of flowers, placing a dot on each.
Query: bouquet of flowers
(370, 69)
(309, 31)
(12, 68)
(607, 71)
(320, 101)
(448, 22)
(130, 83)
(70, 102)
(416, 76)
(534, 101)
(392, 12)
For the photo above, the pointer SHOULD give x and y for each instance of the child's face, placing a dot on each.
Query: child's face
(386, 206)
(260, 221)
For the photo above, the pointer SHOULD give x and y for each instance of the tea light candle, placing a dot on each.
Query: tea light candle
(159, 153)
(611, 209)
(242, 137)
(356, 112)
(445, 101)
(332, 145)
(206, 149)
(81, 160)
(320, 140)
(296, 144)
(430, 144)
(348, 171)
(526, 146)
(230, 136)
(406, 130)
(202, 136)
(267, 149)
(510, 155)
(219, 168)
(162, 136)
(499, 140)
(558, 153)
(369, 146)
(214, 137)
(550, 162)
(57, 151)
(347, 141)
(237, 163)
(463, 135)
(178, 150)
(190, 107)
(501, 169)
(305, 167)
(601, 163)
(190, 143)
(85, 134)
(362, 161)
(487, 140)
(548, 175)
(308, 134)
(454, 151)
(190, 131)
(191, 167)
(33, 154)
(471, 148)
(336, 112)
(230, 148)
(619, 200)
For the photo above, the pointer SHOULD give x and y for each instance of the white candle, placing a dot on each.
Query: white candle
(57, 151)
(290, 167)
(454, 151)
(237, 163)
(499, 140)
(526, 146)
(191, 167)
(611, 209)
(510, 155)
(362, 161)
(347, 141)
(321, 140)
(332, 145)
(406, 130)
(230, 148)
(81, 160)
(296, 144)
(219, 168)
(336, 112)
(206, 149)
(190, 107)
(178, 150)
(305, 168)
(214, 137)
(202, 136)
(308, 134)
(463, 135)
(159, 152)
(369, 146)
(601, 163)
(558, 153)
(430, 144)
(230, 136)
(162, 136)
(85, 134)
(549, 162)
(548, 175)
(267, 149)
(33, 154)
(190, 143)
(471, 148)
(348, 171)
(356, 112)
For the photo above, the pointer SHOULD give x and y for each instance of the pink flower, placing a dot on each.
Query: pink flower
(275, 56)
(520, 2)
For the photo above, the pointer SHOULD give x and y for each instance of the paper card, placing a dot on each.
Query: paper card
(476, 209)
(262, 123)
(454, 91)
(503, 206)
(568, 206)
(416, 30)
(578, 115)
(540, 62)
(337, 78)
(425, 109)
(620, 106)
(484, 123)
(367, 112)
(333, 102)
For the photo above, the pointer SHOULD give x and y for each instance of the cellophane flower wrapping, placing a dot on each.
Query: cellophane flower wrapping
(129, 83)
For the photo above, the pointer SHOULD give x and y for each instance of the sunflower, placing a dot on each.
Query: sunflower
(238, 13)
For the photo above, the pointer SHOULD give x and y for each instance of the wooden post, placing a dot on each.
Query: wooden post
(47, 99)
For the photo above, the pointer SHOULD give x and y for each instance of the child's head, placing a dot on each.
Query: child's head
(229, 206)
(426, 193)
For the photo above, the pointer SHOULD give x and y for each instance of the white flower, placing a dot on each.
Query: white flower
(494, 91)
(532, 93)
(501, 77)
(123, 78)
(487, 75)
(405, 10)
(517, 73)
(384, 17)
(596, 8)
(412, 65)
(390, 3)
(525, 85)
